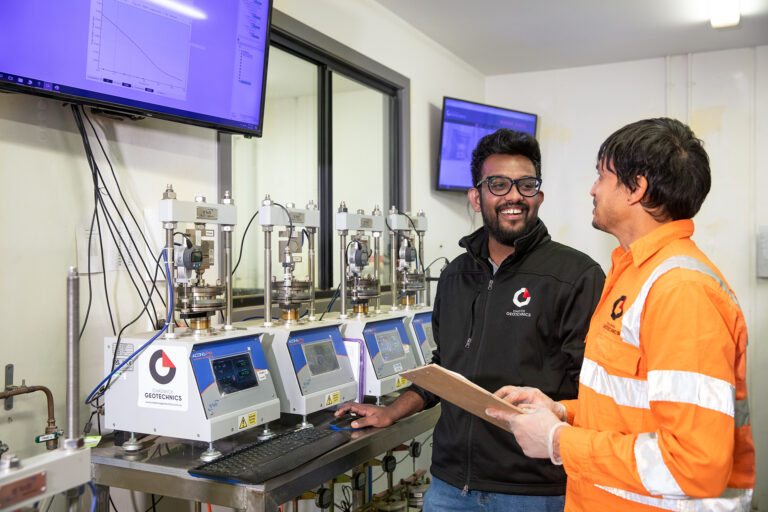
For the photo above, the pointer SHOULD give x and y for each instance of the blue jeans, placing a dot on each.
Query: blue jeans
(443, 497)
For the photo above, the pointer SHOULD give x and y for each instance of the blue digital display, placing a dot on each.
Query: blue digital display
(464, 124)
(231, 365)
(317, 349)
(201, 62)
(386, 338)
(422, 325)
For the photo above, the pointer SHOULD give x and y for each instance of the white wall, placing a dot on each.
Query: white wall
(724, 97)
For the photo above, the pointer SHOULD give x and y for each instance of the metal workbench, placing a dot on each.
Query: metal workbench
(161, 466)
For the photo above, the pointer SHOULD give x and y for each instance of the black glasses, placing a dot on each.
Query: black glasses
(501, 185)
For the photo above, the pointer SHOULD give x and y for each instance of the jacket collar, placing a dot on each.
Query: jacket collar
(476, 243)
(643, 248)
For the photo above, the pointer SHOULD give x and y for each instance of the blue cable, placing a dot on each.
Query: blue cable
(93, 500)
(161, 331)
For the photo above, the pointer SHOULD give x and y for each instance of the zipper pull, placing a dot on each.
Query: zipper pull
(465, 490)
(490, 284)
(468, 343)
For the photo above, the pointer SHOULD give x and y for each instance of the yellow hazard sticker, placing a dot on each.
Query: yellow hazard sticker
(400, 382)
(333, 398)
(247, 420)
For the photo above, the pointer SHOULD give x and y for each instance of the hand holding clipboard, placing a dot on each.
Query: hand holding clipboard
(461, 392)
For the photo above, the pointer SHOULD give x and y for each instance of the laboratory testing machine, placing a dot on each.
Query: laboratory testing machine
(198, 382)
(307, 356)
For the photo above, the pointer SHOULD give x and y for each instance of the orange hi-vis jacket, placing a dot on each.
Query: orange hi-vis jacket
(661, 420)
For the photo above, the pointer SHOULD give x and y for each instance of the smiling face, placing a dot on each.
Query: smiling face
(512, 215)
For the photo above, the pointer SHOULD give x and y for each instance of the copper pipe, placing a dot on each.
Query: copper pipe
(51, 428)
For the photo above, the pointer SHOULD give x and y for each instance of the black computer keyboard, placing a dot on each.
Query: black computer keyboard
(262, 460)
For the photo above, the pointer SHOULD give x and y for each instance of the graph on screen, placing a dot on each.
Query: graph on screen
(137, 45)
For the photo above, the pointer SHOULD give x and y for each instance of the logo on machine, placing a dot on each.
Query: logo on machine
(167, 370)
(522, 297)
(618, 307)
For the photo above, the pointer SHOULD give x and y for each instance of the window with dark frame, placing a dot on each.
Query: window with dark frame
(346, 81)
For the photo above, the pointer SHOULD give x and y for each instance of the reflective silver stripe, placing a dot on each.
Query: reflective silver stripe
(623, 391)
(692, 388)
(732, 500)
(663, 387)
(741, 416)
(654, 473)
(630, 324)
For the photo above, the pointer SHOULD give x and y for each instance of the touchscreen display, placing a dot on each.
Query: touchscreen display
(321, 357)
(430, 338)
(389, 344)
(234, 373)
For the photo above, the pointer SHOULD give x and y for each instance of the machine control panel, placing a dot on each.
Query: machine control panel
(422, 327)
(388, 347)
(229, 373)
(319, 359)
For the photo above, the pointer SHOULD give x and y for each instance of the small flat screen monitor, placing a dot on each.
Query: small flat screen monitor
(321, 357)
(200, 62)
(390, 345)
(464, 124)
(234, 373)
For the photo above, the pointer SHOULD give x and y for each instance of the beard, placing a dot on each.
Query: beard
(506, 235)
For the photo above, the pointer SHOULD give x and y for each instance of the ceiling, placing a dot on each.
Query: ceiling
(512, 36)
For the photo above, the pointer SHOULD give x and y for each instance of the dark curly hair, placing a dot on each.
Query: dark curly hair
(670, 157)
(505, 142)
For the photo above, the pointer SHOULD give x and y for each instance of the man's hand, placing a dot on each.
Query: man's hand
(534, 431)
(369, 415)
(523, 396)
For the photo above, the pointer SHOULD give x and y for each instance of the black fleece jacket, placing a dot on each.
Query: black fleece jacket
(523, 326)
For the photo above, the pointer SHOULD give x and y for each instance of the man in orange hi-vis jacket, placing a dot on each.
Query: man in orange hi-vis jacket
(661, 421)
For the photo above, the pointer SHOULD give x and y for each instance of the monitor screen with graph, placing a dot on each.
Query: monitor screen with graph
(195, 61)
(464, 124)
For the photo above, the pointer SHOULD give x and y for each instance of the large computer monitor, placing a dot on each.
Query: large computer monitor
(464, 123)
(201, 62)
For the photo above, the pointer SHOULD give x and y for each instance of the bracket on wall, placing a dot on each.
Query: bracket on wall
(8, 386)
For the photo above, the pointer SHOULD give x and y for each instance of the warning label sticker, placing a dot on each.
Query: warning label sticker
(332, 398)
(400, 382)
(247, 420)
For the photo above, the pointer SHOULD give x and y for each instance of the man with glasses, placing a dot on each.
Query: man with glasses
(662, 419)
(515, 307)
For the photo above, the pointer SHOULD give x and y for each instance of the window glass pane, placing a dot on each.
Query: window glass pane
(282, 163)
(361, 158)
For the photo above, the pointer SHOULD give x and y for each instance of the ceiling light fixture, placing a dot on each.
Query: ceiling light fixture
(724, 13)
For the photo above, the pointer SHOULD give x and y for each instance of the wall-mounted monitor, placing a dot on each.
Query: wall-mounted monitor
(464, 123)
(201, 62)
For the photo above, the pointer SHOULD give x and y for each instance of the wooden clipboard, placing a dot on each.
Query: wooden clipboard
(461, 392)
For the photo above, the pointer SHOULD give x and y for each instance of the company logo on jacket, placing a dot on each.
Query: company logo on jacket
(618, 307)
(521, 299)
